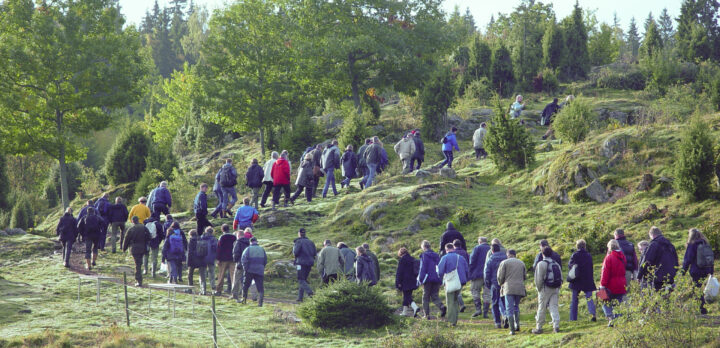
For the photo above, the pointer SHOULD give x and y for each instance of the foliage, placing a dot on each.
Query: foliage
(633, 39)
(632, 80)
(596, 234)
(22, 214)
(178, 96)
(501, 71)
(553, 46)
(508, 142)
(464, 216)
(127, 158)
(708, 80)
(163, 160)
(698, 31)
(527, 25)
(576, 63)
(652, 44)
(602, 48)
(478, 92)
(74, 179)
(355, 128)
(50, 194)
(148, 181)
(91, 182)
(434, 336)
(546, 81)
(695, 159)
(345, 304)
(574, 121)
(480, 59)
(304, 132)
(4, 185)
(435, 99)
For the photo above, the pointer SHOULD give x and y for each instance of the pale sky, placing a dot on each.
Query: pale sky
(134, 10)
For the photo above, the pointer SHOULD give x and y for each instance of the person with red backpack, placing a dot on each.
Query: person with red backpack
(174, 252)
(548, 279)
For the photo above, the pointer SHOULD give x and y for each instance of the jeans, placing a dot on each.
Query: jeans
(453, 306)
(346, 181)
(255, 196)
(152, 254)
(67, 250)
(512, 305)
(207, 273)
(498, 303)
(276, 193)
(574, 304)
(103, 235)
(548, 302)
(228, 193)
(370, 176)
(224, 266)
(430, 294)
(175, 269)
(303, 286)
(202, 223)
(114, 236)
(221, 202)
(480, 152)
(329, 180)
(266, 193)
(412, 163)
(448, 159)
(191, 270)
(300, 188)
(138, 258)
(91, 246)
(608, 306)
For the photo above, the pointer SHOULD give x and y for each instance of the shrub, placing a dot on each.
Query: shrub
(74, 176)
(148, 181)
(596, 235)
(433, 337)
(162, 160)
(550, 81)
(508, 142)
(4, 185)
(464, 216)
(695, 160)
(634, 80)
(355, 127)
(574, 121)
(345, 304)
(126, 160)
(304, 133)
(435, 99)
(49, 194)
(22, 214)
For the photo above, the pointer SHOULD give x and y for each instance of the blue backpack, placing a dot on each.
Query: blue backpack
(176, 244)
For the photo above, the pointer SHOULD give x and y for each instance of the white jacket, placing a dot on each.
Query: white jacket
(405, 148)
(268, 169)
(479, 137)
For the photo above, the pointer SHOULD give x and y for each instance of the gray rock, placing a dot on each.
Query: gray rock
(615, 160)
(562, 196)
(422, 174)
(369, 216)
(614, 144)
(605, 114)
(481, 112)
(616, 193)
(583, 175)
(415, 223)
(665, 188)
(275, 218)
(448, 173)
(646, 183)
(596, 192)
(3, 233)
(378, 129)
(15, 231)
(539, 190)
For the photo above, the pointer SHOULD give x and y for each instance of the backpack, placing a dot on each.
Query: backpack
(103, 207)
(226, 177)
(176, 245)
(152, 228)
(202, 248)
(445, 140)
(705, 256)
(553, 276)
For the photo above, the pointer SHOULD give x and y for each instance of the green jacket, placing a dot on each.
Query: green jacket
(330, 261)
(375, 261)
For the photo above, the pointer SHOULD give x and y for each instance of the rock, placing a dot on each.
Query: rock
(545, 147)
(664, 187)
(372, 213)
(596, 192)
(562, 197)
(378, 129)
(15, 231)
(615, 160)
(415, 223)
(616, 193)
(275, 218)
(481, 112)
(24, 311)
(287, 316)
(646, 183)
(3, 233)
(448, 173)
(422, 174)
(620, 116)
(539, 190)
(281, 269)
(614, 144)
(649, 213)
(583, 175)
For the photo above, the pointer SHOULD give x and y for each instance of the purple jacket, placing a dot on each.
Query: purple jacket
(225, 247)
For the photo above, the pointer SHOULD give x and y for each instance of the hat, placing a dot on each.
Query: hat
(253, 239)
(248, 235)
(142, 199)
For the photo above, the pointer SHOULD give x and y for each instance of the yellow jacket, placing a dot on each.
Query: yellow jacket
(141, 211)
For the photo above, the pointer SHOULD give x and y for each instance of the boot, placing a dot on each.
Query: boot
(512, 324)
(517, 322)
(486, 309)
(415, 308)
(273, 206)
(506, 323)
(261, 297)
(478, 308)
(94, 256)
(87, 264)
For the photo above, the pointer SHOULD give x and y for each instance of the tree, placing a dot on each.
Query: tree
(619, 37)
(698, 31)
(553, 45)
(527, 26)
(602, 49)
(4, 185)
(508, 142)
(179, 93)
(126, 160)
(633, 39)
(196, 35)
(649, 20)
(576, 64)
(501, 71)
(435, 99)
(666, 28)
(694, 163)
(480, 59)
(65, 64)
(652, 44)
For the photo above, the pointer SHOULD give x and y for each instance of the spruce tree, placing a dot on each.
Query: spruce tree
(576, 64)
(126, 160)
(698, 31)
(4, 185)
(508, 142)
(666, 28)
(695, 160)
(553, 46)
(501, 71)
(652, 44)
(480, 59)
(435, 99)
(633, 39)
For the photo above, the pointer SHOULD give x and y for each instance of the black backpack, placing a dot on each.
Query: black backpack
(553, 276)
(227, 178)
(705, 256)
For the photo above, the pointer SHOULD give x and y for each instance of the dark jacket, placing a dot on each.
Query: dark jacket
(464, 254)
(225, 247)
(67, 228)
(193, 259)
(102, 206)
(238, 248)
(89, 226)
(662, 255)
(630, 256)
(349, 164)
(555, 256)
(254, 176)
(317, 157)
(155, 242)
(491, 267)
(365, 271)
(405, 277)
(305, 176)
(162, 196)
(331, 158)
(477, 261)
(419, 148)
(584, 278)
(304, 251)
(690, 262)
(428, 267)
(137, 239)
(548, 111)
(449, 236)
(212, 248)
(361, 156)
(200, 204)
(117, 213)
(375, 261)
(254, 259)
(373, 154)
(348, 256)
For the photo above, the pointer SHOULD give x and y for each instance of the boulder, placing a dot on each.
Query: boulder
(373, 213)
(15, 231)
(422, 174)
(562, 197)
(583, 175)
(646, 183)
(664, 187)
(287, 316)
(616, 193)
(620, 116)
(539, 190)
(3, 233)
(649, 213)
(596, 192)
(614, 144)
(281, 269)
(415, 223)
(449, 173)
(275, 218)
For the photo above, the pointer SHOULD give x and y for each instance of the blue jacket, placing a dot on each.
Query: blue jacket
(690, 261)
(162, 196)
(584, 278)
(244, 215)
(168, 223)
(83, 212)
(304, 251)
(200, 204)
(212, 248)
(452, 261)
(451, 142)
(102, 206)
(67, 228)
(477, 261)
(254, 259)
(428, 267)
(117, 213)
(491, 267)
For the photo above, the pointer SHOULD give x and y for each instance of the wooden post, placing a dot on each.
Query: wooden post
(127, 311)
(214, 321)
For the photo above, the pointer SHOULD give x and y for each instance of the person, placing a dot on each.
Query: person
(117, 215)
(361, 164)
(349, 162)
(241, 243)
(330, 262)
(253, 180)
(173, 253)
(83, 210)
(267, 179)
(462, 252)
(584, 280)
(102, 207)
(547, 283)
(160, 200)
(317, 167)
(550, 132)
(169, 221)
(254, 260)
(330, 162)
(479, 141)
(406, 281)
(67, 234)
(613, 278)
(140, 210)
(208, 240)
(195, 258)
(490, 252)
(631, 266)
(642, 248)
(429, 279)
(281, 180)
(699, 259)
(89, 228)
(450, 262)
(405, 149)
(137, 240)
(157, 236)
(348, 256)
(372, 257)
(555, 256)
(225, 258)
(481, 298)
(305, 180)
(511, 278)
(419, 154)
(364, 269)
(517, 107)
(373, 157)
(662, 256)
(200, 207)
(548, 112)
(304, 252)
(491, 281)
(217, 190)
(245, 216)
(449, 142)
(384, 160)
(450, 235)
(228, 179)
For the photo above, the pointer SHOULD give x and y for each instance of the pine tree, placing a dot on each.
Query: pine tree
(4, 185)
(576, 64)
(480, 59)
(666, 28)
(633, 39)
(619, 37)
(695, 160)
(553, 46)
(508, 142)
(652, 43)
(501, 71)
(698, 31)
(649, 20)
(435, 99)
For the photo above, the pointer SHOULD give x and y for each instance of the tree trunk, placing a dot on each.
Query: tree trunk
(61, 160)
(354, 84)
(262, 140)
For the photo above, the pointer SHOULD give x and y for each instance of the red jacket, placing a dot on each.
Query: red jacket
(613, 272)
(280, 172)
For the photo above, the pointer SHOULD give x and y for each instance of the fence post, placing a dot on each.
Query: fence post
(214, 321)
(127, 312)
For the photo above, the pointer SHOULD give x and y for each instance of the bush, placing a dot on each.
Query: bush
(74, 180)
(4, 185)
(436, 98)
(633, 80)
(464, 216)
(126, 160)
(162, 160)
(148, 181)
(596, 235)
(508, 142)
(550, 81)
(695, 160)
(50, 194)
(433, 337)
(574, 121)
(304, 133)
(355, 127)
(22, 214)
(345, 304)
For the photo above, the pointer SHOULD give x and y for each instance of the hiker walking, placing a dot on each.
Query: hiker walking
(330, 262)
(241, 243)
(419, 154)
(581, 279)
(613, 279)
(267, 179)
(349, 162)
(548, 279)
(492, 264)
(453, 262)
(67, 234)
(348, 256)
(157, 236)
(330, 162)
(361, 163)
(555, 256)
(281, 180)
(548, 112)
(662, 256)
(225, 258)
(253, 262)
(449, 236)
(102, 207)
(481, 299)
(173, 254)
(364, 268)
(160, 200)
(89, 228)
(449, 142)
(373, 158)
(140, 210)
(217, 190)
(317, 167)
(228, 180)
(207, 245)
(137, 240)
(405, 149)
(479, 141)
(196, 258)
(200, 208)
(406, 281)
(305, 180)
(245, 216)
(460, 250)
(632, 264)
(429, 279)
(700, 260)
(304, 252)
(254, 180)
(373, 257)
(117, 215)
(511, 278)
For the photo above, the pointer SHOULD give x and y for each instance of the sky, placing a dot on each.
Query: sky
(481, 10)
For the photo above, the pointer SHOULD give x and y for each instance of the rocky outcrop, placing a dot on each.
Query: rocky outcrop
(449, 173)
(373, 213)
(646, 183)
(614, 144)
(275, 218)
